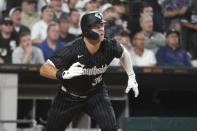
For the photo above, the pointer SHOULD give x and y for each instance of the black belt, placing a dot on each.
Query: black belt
(72, 94)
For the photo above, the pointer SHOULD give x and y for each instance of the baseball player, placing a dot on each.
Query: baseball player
(80, 67)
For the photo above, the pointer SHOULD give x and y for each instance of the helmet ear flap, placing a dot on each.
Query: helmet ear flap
(90, 34)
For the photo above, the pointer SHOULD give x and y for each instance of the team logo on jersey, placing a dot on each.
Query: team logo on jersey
(79, 56)
(98, 15)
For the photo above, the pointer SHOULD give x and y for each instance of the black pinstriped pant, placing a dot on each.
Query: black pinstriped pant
(65, 108)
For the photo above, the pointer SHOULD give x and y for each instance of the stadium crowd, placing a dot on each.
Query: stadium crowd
(155, 32)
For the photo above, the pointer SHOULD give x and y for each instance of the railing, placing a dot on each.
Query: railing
(3, 122)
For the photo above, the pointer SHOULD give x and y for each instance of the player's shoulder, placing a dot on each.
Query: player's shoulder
(73, 43)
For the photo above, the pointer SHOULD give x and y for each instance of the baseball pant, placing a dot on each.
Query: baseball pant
(66, 107)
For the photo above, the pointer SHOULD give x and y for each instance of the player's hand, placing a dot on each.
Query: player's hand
(132, 84)
(75, 70)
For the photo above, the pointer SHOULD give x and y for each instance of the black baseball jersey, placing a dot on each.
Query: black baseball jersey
(95, 65)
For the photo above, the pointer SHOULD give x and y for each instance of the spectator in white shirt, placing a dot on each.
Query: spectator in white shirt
(139, 55)
(74, 18)
(39, 29)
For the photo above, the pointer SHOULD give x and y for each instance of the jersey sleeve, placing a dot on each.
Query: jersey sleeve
(61, 58)
(116, 48)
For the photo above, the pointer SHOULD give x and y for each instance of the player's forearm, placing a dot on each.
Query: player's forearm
(48, 71)
(127, 63)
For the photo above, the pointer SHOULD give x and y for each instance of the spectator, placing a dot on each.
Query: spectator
(39, 29)
(2, 7)
(153, 40)
(41, 4)
(57, 6)
(113, 24)
(172, 54)
(85, 6)
(139, 55)
(158, 18)
(51, 44)
(189, 30)
(141, 8)
(89, 6)
(69, 5)
(11, 4)
(15, 15)
(64, 24)
(108, 12)
(74, 18)
(173, 10)
(117, 26)
(124, 39)
(119, 8)
(29, 15)
(8, 39)
(25, 53)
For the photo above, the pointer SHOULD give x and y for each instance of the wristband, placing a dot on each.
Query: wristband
(59, 75)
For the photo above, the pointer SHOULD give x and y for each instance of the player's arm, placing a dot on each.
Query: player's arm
(49, 70)
(126, 62)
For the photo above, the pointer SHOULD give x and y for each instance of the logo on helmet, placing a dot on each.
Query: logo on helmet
(98, 15)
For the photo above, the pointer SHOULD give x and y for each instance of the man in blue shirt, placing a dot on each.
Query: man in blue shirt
(172, 54)
(51, 44)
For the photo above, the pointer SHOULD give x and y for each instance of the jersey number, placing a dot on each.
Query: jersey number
(97, 80)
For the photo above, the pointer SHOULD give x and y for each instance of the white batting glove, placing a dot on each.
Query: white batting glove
(132, 84)
(75, 70)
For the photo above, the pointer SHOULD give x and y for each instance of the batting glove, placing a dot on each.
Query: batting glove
(132, 84)
(75, 70)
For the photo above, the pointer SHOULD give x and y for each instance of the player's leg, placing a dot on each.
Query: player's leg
(62, 112)
(100, 109)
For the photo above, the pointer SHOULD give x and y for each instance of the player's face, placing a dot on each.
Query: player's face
(99, 29)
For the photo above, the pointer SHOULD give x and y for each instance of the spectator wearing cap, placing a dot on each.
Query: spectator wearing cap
(15, 15)
(8, 39)
(52, 43)
(64, 24)
(114, 24)
(108, 12)
(153, 40)
(85, 6)
(74, 18)
(172, 54)
(25, 53)
(29, 15)
(139, 55)
(39, 29)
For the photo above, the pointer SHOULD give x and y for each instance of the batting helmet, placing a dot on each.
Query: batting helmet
(88, 20)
